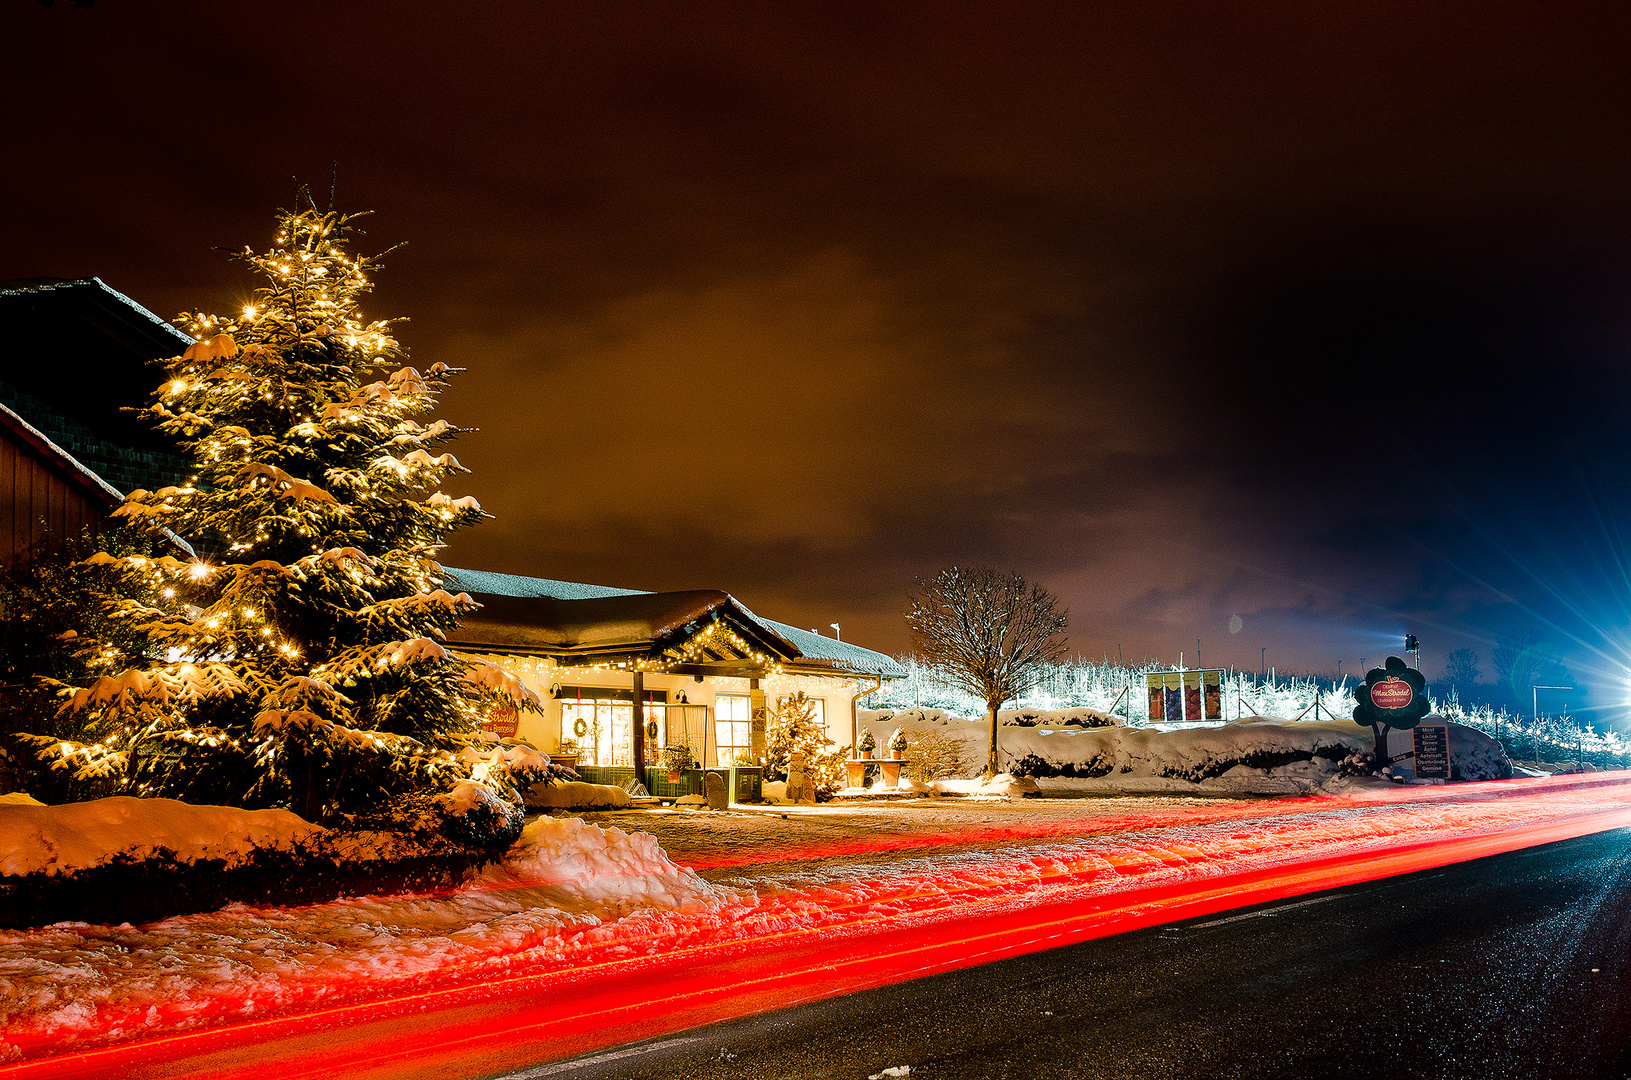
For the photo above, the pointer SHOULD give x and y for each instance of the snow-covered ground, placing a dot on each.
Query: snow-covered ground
(576, 896)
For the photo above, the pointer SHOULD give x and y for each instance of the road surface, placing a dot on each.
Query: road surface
(1510, 966)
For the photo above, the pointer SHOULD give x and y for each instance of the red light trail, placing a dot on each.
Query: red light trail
(844, 929)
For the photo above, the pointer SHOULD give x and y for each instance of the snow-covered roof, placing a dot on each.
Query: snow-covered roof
(94, 285)
(487, 581)
(552, 623)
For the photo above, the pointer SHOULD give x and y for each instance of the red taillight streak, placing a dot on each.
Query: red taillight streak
(620, 1014)
(947, 903)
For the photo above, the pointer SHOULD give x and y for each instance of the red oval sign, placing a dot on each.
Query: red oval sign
(503, 720)
(1391, 693)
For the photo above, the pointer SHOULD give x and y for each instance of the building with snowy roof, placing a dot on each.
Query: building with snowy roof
(703, 665)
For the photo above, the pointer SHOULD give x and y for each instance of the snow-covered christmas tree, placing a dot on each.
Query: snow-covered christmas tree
(794, 728)
(297, 660)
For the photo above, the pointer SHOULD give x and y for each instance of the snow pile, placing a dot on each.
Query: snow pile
(562, 897)
(576, 795)
(1001, 786)
(579, 867)
(63, 839)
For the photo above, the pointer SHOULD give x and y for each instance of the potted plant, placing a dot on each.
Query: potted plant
(866, 744)
(677, 759)
(897, 744)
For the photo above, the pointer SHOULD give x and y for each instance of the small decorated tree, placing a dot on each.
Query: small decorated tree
(793, 729)
(897, 742)
(298, 658)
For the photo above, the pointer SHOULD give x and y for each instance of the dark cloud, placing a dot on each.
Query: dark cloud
(1309, 315)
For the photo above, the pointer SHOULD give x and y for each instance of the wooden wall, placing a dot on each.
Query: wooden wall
(38, 501)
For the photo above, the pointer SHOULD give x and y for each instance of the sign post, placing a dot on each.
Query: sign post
(1392, 696)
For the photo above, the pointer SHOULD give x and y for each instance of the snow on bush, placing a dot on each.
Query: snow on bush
(474, 815)
(62, 839)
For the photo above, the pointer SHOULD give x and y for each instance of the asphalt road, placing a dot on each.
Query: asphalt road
(1510, 966)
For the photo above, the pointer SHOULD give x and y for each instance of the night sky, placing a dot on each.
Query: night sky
(1310, 315)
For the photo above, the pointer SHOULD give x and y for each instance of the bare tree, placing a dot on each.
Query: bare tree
(1461, 671)
(989, 632)
(1518, 658)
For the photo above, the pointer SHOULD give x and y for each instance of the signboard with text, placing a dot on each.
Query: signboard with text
(503, 720)
(1431, 743)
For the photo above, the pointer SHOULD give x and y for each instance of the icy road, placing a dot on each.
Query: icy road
(545, 961)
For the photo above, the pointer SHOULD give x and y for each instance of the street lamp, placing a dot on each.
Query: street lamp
(1412, 645)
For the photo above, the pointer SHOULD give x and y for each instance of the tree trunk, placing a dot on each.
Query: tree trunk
(991, 758)
(305, 800)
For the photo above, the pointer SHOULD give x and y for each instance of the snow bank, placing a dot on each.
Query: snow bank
(1256, 755)
(62, 839)
(886, 720)
(566, 893)
(576, 795)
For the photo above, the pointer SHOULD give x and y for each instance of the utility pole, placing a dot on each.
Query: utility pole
(1263, 662)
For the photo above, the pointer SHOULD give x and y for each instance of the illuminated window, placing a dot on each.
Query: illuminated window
(606, 716)
(733, 728)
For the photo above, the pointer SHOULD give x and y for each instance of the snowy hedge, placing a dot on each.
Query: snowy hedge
(124, 859)
(1257, 755)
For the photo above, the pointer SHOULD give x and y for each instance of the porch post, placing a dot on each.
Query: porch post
(639, 724)
(756, 701)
